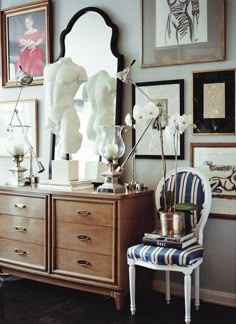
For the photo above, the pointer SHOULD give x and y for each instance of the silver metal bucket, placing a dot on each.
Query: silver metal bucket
(171, 223)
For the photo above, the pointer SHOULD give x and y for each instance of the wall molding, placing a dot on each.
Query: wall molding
(206, 295)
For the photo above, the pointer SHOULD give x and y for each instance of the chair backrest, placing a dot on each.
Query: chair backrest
(192, 186)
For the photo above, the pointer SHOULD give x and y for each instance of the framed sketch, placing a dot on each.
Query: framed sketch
(181, 32)
(170, 95)
(214, 102)
(25, 41)
(27, 111)
(218, 162)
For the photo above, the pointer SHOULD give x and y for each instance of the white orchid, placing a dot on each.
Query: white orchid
(128, 120)
(177, 124)
(139, 113)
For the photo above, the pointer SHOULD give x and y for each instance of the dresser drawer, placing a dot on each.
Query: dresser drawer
(22, 253)
(84, 264)
(22, 228)
(22, 205)
(84, 212)
(97, 239)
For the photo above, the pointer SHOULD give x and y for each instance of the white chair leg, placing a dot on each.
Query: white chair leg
(167, 274)
(132, 288)
(187, 297)
(196, 287)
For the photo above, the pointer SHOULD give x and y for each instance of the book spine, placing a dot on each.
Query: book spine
(172, 239)
(165, 244)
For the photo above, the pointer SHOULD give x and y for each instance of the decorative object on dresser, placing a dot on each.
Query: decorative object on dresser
(111, 147)
(18, 143)
(74, 239)
(72, 185)
(193, 186)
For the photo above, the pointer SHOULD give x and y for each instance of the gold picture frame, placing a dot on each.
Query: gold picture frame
(25, 41)
(28, 114)
(168, 38)
(218, 162)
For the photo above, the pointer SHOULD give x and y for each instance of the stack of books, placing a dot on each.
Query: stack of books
(175, 241)
(70, 185)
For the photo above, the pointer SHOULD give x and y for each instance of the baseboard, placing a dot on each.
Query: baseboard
(207, 295)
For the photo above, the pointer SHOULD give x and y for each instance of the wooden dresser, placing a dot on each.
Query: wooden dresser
(72, 239)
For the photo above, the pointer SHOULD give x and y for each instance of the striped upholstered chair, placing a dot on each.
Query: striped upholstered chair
(192, 186)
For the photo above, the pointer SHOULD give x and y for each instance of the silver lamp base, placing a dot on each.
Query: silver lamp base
(17, 179)
(111, 184)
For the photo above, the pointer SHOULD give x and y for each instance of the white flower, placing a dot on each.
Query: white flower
(139, 114)
(184, 122)
(151, 110)
(177, 125)
(128, 120)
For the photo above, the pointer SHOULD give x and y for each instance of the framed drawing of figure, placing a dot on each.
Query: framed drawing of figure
(182, 31)
(25, 42)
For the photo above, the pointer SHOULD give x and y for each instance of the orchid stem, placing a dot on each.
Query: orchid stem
(175, 149)
(163, 163)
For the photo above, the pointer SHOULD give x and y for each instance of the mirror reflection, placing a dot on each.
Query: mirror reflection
(90, 43)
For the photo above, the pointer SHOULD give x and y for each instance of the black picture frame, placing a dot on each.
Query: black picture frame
(171, 93)
(214, 102)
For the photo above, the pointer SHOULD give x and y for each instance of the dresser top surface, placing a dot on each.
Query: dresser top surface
(92, 193)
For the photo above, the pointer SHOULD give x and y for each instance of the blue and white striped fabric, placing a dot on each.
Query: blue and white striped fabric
(189, 189)
(166, 256)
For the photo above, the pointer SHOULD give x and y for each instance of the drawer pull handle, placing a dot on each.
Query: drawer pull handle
(84, 263)
(20, 252)
(20, 228)
(83, 212)
(21, 206)
(83, 238)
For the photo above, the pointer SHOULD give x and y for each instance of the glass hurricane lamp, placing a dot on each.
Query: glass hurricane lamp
(17, 147)
(111, 147)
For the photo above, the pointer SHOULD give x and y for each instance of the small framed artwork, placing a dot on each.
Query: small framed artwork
(218, 162)
(170, 95)
(214, 102)
(25, 41)
(181, 32)
(27, 112)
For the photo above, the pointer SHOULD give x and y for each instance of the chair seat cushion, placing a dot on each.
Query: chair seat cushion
(166, 256)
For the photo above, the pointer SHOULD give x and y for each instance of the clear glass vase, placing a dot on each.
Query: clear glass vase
(17, 144)
(111, 145)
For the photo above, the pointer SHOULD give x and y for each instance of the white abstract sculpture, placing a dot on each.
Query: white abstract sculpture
(62, 79)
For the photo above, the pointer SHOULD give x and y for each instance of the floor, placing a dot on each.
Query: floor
(29, 302)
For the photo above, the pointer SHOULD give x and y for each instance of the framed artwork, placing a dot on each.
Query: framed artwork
(25, 41)
(218, 162)
(27, 111)
(181, 32)
(170, 94)
(214, 102)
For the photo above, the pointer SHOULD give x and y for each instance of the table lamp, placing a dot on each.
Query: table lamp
(18, 142)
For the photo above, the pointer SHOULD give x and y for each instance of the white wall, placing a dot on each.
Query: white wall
(219, 270)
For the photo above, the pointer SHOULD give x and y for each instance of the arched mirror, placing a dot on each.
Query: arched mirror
(90, 40)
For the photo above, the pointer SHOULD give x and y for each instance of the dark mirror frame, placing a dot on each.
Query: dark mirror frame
(114, 50)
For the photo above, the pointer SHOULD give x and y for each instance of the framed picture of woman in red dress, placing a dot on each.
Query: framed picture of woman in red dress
(25, 42)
